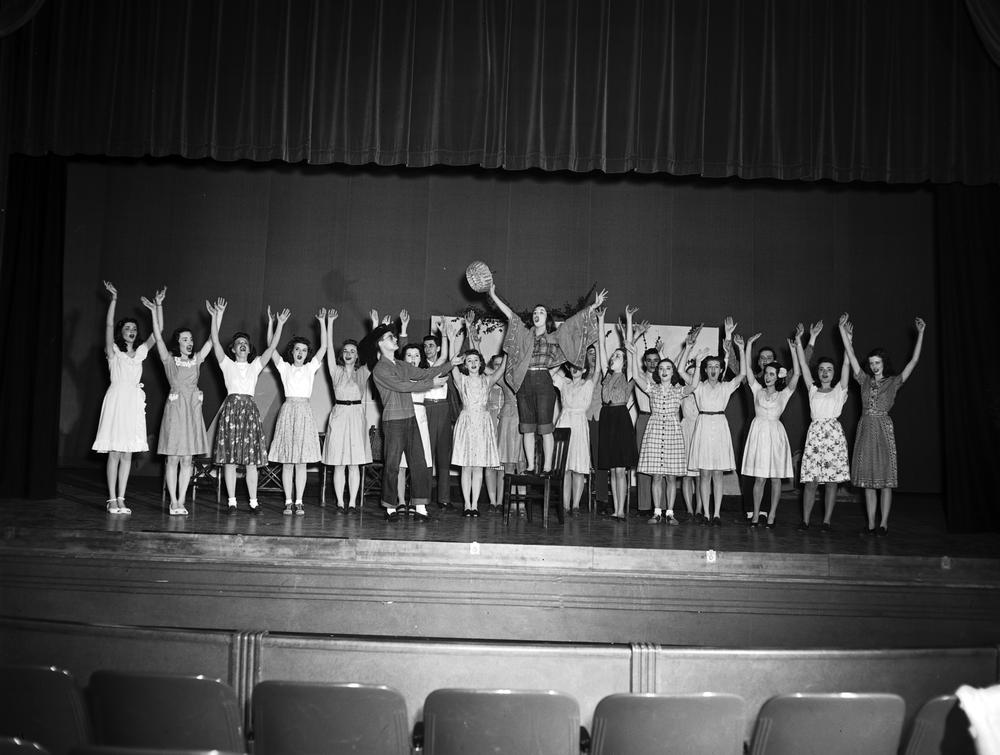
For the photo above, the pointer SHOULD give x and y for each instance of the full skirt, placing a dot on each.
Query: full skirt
(874, 462)
(475, 442)
(767, 453)
(239, 433)
(711, 444)
(616, 446)
(122, 426)
(296, 439)
(347, 442)
(825, 456)
(182, 431)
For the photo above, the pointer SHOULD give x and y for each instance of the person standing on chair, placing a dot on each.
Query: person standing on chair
(531, 353)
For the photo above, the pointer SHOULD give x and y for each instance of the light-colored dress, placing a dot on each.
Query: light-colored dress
(347, 442)
(767, 453)
(825, 456)
(509, 442)
(296, 439)
(689, 418)
(475, 439)
(575, 400)
(711, 441)
(874, 462)
(663, 451)
(122, 426)
(182, 431)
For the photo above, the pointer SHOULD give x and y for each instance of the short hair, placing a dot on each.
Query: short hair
(887, 368)
(762, 349)
(675, 379)
(119, 341)
(230, 349)
(290, 348)
(472, 353)
(650, 352)
(174, 344)
(432, 337)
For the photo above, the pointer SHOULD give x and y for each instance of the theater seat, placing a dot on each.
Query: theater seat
(829, 724)
(471, 721)
(941, 728)
(644, 724)
(43, 705)
(298, 718)
(166, 711)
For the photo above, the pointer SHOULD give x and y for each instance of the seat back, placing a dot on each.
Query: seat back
(17, 746)
(168, 711)
(469, 721)
(644, 724)
(43, 705)
(940, 727)
(829, 724)
(298, 718)
(560, 450)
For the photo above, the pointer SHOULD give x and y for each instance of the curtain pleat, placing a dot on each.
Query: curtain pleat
(895, 90)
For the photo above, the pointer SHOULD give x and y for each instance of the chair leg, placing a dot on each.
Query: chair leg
(545, 502)
(322, 484)
(505, 501)
(560, 514)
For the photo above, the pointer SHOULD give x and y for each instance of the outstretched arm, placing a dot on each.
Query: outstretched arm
(847, 336)
(109, 321)
(497, 375)
(331, 353)
(472, 331)
(275, 356)
(696, 379)
(602, 356)
(158, 301)
(908, 369)
(729, 327)
(217, 310)
(157, 334)
(743, 348)
(321, 351)
(793, 379)
(501, 304)
(799, 354)
(272, 345)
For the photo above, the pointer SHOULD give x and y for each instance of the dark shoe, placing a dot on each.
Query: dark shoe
(803, 526)
(474, 514)
(232, 510)
(393, 517)
(825, 527)
(868, 532)
(352, 510)
(654, 519)
(717, 521)
(467, 512)
(771, 525)
(445, 506)
(671, 521)
(342, 510)
(418, 517)
(699, 518)
(762, 518)
(882, 532)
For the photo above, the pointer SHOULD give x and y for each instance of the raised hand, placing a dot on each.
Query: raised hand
(791, 344)
(920, 324)
(404, 318)
(147, 303)
(387, 320)
(321, 314)
(220, 305)
(730, 327)
(599, 299)
(659, 344)
(470, 319)
(751, 339)
(738, 340)
(600, 312)
(269, 315)
(693, 334)
(843, 320)
(111, 289)
(630, 310)
(799, 330)
(160, 295)
(638, 330)
(331, 313)
(373, 315)
(815, 329)
(283, 316)
(210, 307)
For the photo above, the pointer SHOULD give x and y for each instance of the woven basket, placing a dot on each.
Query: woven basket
(479, 276)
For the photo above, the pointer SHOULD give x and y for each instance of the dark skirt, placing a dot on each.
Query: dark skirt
(616, 446)
(239, 433)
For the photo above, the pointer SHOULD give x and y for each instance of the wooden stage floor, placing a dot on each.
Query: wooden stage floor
(917, 525)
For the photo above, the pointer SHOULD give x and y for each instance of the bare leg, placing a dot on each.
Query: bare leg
(300, 481)
(230, 475)
(548, 445)
(251, 473)
(490, 475)
(775, 497)
(353, 483)
(758, 496)
(717, 492)
(579, 480)
(338, 484)
(687, 489)
(529, 450)
(111, 471)
(705, 491)
(656, 487)
(809, 498)
(671, 492)
(170, 473)
(886, 506)
(830, 499)
(477, 485)
(124, 468)
(870, 504)
(569, 482)
(287, 476)
(183, 479)
(467, 487)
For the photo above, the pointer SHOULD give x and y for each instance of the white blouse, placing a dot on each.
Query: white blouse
(297, 380)
(240, 377)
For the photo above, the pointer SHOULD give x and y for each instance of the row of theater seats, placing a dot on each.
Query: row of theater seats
(44, 711)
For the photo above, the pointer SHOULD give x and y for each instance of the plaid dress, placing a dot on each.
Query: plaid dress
(663, 451)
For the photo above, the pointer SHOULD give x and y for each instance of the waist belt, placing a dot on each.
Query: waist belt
(876, 414)
(710, 413)
(435, 401)
(347, 403)
(609, 403)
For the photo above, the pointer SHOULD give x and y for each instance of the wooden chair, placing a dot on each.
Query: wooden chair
(538, 487)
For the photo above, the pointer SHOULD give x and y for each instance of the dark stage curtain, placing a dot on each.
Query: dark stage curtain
(31, 289)
(888, 90)
(986, 18)
(968, 242)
